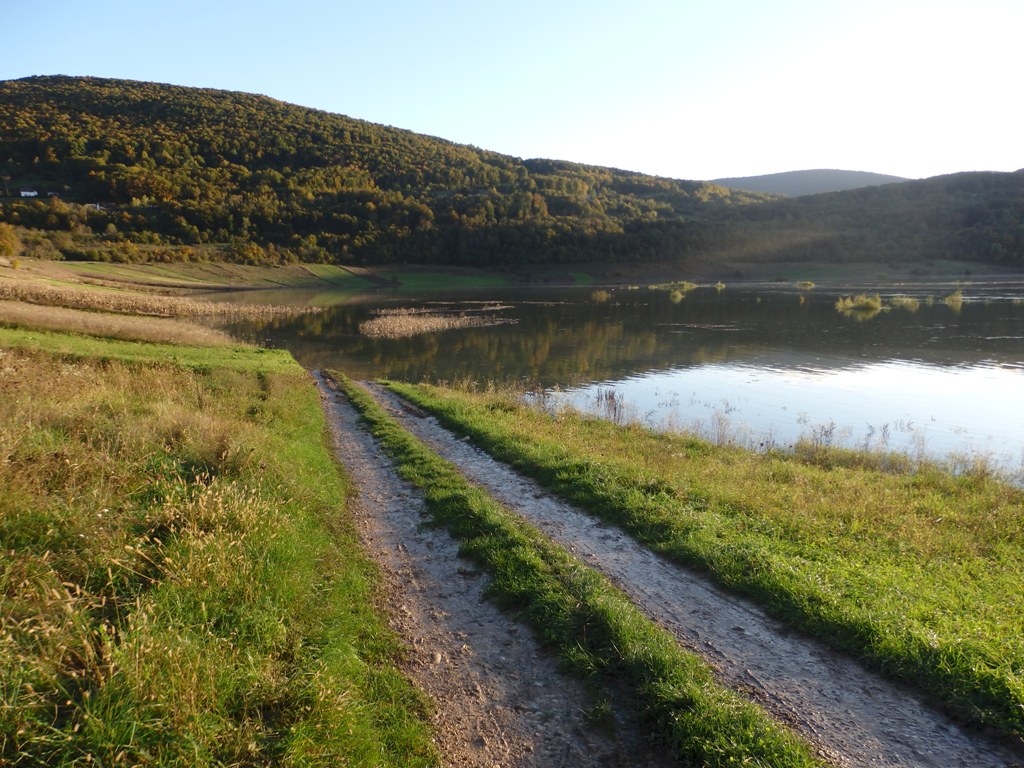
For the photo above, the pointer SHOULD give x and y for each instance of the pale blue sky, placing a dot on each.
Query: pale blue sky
(682, 89)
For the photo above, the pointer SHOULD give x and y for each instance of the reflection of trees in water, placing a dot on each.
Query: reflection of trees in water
(571, 342)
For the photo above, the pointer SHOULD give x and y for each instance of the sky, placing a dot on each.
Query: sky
(681, 88)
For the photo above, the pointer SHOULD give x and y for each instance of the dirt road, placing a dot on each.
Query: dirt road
(854, 717)
(500, 699)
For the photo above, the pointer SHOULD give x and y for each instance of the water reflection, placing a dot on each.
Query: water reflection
(781, 360)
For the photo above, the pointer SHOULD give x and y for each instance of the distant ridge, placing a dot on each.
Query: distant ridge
(813, 182)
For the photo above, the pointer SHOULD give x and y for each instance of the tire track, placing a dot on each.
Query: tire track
(500, 699)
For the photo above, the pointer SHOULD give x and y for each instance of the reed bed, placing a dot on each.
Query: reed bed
(906, 303)
(133, 303)
(859, 303)
(409, 321)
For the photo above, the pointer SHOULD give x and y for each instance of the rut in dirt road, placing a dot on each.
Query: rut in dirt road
(500, 699)
(854, 717)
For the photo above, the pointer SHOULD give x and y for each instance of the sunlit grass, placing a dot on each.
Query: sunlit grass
(859, 303)
(919, 572)
(178, 582)
(72, 346)
(954, 300)
(116, 326)
(421, 280)
(906, 303)
(15, 286)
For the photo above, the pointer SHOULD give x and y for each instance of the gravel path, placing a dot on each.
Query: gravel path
(854, 717)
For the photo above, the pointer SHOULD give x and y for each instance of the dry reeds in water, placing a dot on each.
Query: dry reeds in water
(408, 321)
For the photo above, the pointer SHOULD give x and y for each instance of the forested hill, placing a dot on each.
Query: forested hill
(190, 166)
(128, 170)
(811, 182)
(977, 216)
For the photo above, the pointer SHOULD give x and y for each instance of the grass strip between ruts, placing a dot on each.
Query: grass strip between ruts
(596, 629)
(827, 547)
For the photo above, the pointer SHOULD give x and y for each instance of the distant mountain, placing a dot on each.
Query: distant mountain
(797, 183)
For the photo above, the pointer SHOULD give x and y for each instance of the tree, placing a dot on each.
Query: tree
(10, 242)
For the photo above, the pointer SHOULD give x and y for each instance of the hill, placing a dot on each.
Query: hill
(812, 182)
(977, 216)
(185, 166)
(133, 171)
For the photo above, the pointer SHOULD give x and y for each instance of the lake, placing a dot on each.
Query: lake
(761, 365)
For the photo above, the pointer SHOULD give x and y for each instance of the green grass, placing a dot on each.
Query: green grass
(424, 280)
(582, 278)
(593, 625)
(179, 583)
(919, 573)
(859, 303)
(339, 277)
(67, 345)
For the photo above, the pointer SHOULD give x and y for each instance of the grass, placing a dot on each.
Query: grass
(14, 287)
(582, 278)
(906, 303)
(859, 303)
(682, 286)
(954, 300)
(426, 280)
(592, 624)
(209, 275)
(918, 573)
(179, 583)
(165, 330)
(74, 346)
(407, 321)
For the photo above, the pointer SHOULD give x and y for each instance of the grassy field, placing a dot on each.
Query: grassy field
(210, 275)
(595, 627)
(127, 299)
(431, 280)
(919, 573)
(109, 325)
(180, 585)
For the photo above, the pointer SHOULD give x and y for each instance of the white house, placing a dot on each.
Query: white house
(29, 193)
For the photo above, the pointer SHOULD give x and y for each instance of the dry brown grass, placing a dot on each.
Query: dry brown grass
(401, 323)
(28, 289)
(129, 327)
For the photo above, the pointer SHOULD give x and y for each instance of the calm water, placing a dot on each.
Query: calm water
(762, 365)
